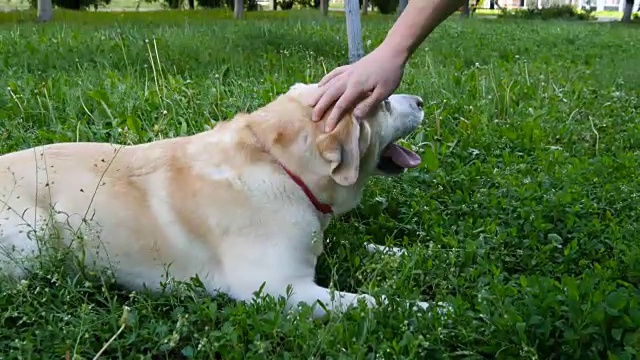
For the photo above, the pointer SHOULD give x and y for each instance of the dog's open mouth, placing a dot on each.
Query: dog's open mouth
(395, 159)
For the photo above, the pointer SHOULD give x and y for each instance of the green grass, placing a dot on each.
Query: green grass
(523, 215)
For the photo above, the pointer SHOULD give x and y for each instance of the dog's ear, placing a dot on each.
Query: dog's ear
(306, 94)
(344, 147)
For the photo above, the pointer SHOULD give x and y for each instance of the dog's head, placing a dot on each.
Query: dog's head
(336, 165)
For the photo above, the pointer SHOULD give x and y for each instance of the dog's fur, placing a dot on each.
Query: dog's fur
(216, 204)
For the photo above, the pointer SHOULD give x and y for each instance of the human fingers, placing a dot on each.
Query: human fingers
(329, 96)
(335, 72)
(345, 103)
(370, 102)
(320, 91)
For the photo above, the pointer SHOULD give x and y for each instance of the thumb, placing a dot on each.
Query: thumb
(369, 103)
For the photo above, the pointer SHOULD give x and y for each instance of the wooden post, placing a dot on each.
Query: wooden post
(354, 30)
(45, 10)
(402, 4)
(238, 9)
(466, 10)
(627, 11)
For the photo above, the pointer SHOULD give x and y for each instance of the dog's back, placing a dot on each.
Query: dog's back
(200, 204)
(67, 191)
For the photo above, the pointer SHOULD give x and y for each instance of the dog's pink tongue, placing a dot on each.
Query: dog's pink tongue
(402, 156)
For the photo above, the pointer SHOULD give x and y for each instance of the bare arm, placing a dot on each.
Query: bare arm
(376, 76)
(416, 22)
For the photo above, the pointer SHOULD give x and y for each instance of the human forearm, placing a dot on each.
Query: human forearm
(417, 21)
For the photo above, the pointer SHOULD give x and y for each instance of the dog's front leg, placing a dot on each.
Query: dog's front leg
(340, 301)
(336, 301)
(320, 298)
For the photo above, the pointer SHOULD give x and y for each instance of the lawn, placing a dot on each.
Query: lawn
(523, 214)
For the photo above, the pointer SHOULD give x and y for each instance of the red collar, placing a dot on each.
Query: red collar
(322, 207)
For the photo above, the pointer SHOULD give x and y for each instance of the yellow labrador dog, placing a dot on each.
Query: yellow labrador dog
(240, 206)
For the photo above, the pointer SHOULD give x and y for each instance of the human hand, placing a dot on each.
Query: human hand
(364, 83)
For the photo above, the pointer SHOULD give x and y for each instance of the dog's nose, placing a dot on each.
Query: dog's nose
(419, 102)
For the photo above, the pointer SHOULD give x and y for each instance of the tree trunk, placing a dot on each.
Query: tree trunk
(628, 10)
(365, 7)
(402, 4)
(274, 5)
(192, 4)
(45, 10)
(238, 9)
(466, 9)
(324, 7)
